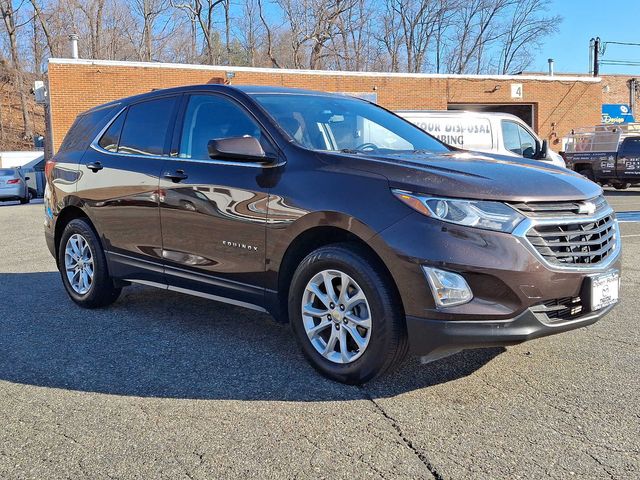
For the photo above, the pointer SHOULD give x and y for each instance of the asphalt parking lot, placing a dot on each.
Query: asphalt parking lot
(162, 385)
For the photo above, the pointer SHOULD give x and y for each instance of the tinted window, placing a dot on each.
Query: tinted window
(210, 117)
(631, 147)
(323, 122)
(511, 137)
(146, 126)
(86, 127)
(111, 137)
(7, 172)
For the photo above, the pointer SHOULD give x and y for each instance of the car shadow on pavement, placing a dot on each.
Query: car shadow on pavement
(154, 343)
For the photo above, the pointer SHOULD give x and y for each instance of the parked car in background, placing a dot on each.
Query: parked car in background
(500, 133)
(370, 237)
(606, 154)
(31, 163)
(13, 185)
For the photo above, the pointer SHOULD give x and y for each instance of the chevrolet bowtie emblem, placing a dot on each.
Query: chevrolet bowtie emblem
(588, 208)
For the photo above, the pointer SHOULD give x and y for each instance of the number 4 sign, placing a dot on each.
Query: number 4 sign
(516, 90)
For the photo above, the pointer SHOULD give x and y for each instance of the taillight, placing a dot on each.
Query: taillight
(13, 180)
(48, 167)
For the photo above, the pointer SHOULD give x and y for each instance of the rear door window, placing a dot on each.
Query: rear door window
(146, 127)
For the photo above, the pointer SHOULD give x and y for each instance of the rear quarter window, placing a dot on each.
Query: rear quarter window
(85, 128)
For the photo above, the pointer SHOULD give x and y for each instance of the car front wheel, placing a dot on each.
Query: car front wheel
(83, 267)
(346, 314)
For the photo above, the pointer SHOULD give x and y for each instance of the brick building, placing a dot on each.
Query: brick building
(552, 105)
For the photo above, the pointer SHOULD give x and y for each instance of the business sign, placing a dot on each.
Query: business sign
(615, 113)
(468, 133)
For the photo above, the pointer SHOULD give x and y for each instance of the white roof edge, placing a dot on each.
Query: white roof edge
(290, 71)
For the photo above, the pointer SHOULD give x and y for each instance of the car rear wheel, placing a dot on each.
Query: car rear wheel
(346, 315)
(83, 267)
(25, 200)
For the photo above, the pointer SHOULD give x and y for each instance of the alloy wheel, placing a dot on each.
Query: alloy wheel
(336, 316)
(78, 263)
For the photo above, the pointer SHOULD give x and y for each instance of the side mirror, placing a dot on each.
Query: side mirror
(245, 149)
(27, 178)
(543, 150)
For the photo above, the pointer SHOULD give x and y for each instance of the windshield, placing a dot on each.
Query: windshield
(333, 123)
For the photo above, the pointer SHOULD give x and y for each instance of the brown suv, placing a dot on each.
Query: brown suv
(367, 235)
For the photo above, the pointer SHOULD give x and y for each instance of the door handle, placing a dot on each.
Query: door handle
(94, 166)
(176, 177)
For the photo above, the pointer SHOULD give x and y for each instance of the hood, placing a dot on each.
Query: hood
(475, 176)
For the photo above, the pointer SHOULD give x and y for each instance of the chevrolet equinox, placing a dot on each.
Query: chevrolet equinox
(370, 237)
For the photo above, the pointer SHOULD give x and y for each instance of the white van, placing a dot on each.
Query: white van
(484, 132)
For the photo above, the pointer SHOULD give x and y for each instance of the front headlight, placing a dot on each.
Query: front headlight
(471, 213)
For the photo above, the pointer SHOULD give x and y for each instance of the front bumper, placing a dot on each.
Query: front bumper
(438, 338)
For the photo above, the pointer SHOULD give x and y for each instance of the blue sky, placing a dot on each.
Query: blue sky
(611, 20)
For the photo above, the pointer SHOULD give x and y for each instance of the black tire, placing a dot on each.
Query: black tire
(621, 186)
(388, 343)
(102, 292)
(32, 194)
(25, 200)
(587, 173)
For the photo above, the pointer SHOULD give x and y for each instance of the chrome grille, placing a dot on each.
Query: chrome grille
(560, 209)
(565, 234)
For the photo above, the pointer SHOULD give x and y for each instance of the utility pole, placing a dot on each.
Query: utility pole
(633, 91)
(596, 55)
(591, 44)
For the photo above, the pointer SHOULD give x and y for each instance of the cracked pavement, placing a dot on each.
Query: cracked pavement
(163, 385)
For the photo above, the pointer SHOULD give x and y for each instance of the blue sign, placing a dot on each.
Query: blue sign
(615, 113)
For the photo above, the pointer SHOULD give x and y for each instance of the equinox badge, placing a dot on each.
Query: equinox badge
(243, 246)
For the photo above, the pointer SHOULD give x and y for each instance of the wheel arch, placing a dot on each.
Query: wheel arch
(321, 236)
(66, 215)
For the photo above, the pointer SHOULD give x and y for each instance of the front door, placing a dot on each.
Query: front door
(628, 162)
(213, 212)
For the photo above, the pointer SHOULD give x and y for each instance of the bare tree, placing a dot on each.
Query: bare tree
(269, 36)
(148, 11)
(201, 13)
(9, 17)
(251, 31)
(475, 30)
(523, 31)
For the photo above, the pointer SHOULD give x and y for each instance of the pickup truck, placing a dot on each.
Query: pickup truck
(608, 155)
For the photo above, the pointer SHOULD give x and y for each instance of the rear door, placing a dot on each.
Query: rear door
(214, 212)
(118, 184)
(628, 162)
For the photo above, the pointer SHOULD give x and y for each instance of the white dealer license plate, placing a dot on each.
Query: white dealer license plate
(604, 290)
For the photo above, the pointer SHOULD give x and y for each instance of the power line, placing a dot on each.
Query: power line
(628, 63)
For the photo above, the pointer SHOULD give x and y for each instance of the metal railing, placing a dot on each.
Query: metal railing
(600, 138)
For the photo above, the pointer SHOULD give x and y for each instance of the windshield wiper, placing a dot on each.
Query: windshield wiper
(351, 150)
